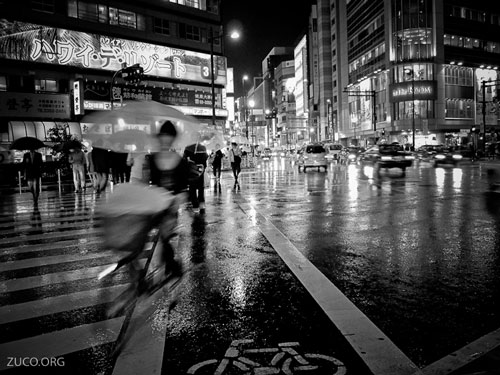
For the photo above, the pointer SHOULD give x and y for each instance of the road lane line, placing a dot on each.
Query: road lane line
(59, 343)
(58, 304)
(471, 352)
(54, 278)
(376, 350)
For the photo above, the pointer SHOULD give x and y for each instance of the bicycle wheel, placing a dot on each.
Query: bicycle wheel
(319, 364)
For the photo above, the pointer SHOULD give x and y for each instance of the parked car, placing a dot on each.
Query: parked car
(387, 156)
(333, 151)
(312, 156)
(447, 156)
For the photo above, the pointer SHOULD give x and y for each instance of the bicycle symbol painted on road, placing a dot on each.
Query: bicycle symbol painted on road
(285, 360)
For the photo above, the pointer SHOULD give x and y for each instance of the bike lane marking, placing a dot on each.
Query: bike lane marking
(376, 350)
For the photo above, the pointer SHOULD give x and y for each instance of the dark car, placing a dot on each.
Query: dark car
(427, 152)
(387, 156)
(447, 156)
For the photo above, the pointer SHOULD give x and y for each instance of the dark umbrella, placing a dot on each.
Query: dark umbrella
(68, 145)
(27, 143)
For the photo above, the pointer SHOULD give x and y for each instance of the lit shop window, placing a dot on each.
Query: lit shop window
(122, 17)
(3, 83)
(43, 5)
(45, 85)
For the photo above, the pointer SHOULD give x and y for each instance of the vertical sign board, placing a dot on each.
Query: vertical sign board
(78, 106)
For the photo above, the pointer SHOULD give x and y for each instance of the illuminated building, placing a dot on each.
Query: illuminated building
(49, 48)
(421, 61)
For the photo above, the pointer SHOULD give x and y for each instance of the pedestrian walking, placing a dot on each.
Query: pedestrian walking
(100, 158)
(139, 167)
(217, 163)
(235, 160)
(78, 162)
(91, 170)
(197, 153)
(32, 164)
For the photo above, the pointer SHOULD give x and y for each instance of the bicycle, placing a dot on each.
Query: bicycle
(285, 360)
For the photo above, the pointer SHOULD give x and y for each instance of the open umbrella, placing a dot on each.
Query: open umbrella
(132, 137)
(151, 115)
(215, 141)
(239, 139)
(27, 143)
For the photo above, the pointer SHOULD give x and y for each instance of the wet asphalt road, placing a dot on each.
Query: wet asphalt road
(419, 255)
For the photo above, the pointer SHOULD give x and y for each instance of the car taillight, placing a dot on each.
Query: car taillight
(386, 158)
(352, 156)
(439, 156)
(457, 157)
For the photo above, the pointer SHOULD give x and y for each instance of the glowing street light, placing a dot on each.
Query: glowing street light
(211, 38)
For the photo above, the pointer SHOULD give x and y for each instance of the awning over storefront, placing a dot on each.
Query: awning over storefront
(39, 129)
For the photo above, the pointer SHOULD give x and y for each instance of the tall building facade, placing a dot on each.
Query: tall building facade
(59, 57)
(416, 71)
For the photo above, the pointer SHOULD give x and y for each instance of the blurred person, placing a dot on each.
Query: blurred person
(100, 158)
(169, 170)
(91, 170)
(77, 160)
(217, 162)
(235, 160)
(197, 153)
(32, 164)
(139, 166)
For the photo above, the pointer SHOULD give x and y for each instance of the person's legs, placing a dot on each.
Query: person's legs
(201, 192)
(193, 195)
(75, 178)
(81, 176)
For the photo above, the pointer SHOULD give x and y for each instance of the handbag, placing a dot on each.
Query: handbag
(207, 180)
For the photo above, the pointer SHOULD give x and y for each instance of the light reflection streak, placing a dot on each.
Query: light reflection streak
(457, 178)
(440, 175)
(238, 291)
(353, 184)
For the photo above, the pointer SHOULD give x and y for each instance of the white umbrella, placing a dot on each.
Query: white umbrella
(146, 116)
(239, 139)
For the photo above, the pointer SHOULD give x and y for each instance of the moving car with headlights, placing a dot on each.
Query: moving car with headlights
(387, 156)
(350, 154)
(447, 156)
(312, 156)
(427, 152)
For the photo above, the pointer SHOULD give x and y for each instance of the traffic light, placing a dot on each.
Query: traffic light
(133, 74)
(474, 129)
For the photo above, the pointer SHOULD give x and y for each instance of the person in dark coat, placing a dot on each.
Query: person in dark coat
(32, 164)
(197, 153)
(100, 159)
(217, 162)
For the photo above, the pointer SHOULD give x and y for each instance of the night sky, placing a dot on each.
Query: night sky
(264, 24)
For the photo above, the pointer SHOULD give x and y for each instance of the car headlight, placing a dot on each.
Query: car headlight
(440, 157)
(386, 158)
(306, 157)
(457, 157)
(409, 157)
(351, 156)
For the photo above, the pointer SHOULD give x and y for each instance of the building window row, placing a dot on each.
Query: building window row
(459, 108)
(472, 43)
(475, 15)
(100, 13)
(423, 109)
(366, 58)
(457, 75)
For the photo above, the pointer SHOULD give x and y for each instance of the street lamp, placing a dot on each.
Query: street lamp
(243, 79)
(411, 73)
(251, 104)
(211, 38)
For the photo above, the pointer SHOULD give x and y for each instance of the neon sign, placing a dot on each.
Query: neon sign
(67, 47)
(418, 90)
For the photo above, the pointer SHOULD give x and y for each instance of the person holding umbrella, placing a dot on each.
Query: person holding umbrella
(78, 161)
(32, 164)
(235, 160)
(197, 153)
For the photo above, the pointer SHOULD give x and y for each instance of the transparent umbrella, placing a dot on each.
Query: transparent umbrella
(146, 117)
(239, 139)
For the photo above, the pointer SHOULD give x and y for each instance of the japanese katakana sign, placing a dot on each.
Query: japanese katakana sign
(67, 47)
